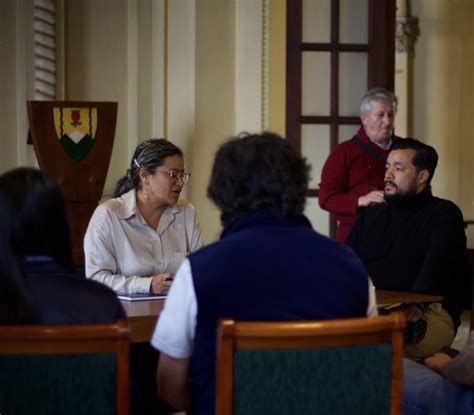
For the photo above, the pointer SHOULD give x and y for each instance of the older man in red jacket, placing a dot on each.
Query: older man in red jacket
(352, 177)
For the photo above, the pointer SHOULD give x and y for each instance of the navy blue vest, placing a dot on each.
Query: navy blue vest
(267, 267)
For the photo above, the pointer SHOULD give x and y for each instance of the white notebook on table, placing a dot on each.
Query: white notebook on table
(140, 296)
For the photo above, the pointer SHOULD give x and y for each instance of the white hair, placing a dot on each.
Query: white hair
(377, 94)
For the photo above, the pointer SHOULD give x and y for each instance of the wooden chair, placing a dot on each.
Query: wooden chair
(70, 369)
(349, 366)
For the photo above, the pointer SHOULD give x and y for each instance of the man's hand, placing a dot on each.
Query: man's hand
(437, 361)
(375, 196)
(460, 369)
(411, 311)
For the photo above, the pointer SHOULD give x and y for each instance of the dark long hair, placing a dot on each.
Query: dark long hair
(32, 222)
(150, 155)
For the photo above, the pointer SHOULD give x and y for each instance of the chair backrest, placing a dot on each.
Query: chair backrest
(348, 366)
(70, 369)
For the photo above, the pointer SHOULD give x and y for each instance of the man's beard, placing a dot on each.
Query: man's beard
(401, 196)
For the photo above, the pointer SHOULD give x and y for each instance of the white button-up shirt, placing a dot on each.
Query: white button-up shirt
(123, 252)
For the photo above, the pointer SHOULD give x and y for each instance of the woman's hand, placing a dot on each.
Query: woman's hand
(161, 283)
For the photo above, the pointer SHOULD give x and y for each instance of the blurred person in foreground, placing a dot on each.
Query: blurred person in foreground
(37, 278)
(443, 386)
(269, 264)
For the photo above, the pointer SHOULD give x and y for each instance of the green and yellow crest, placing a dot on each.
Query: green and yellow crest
(76, 128)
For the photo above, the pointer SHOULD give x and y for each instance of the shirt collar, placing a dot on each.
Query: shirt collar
(263, 218)
(129, 205)
(361, 133)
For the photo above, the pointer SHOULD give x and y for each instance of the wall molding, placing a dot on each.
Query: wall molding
(159, 74)
(132, 77)
(265, 64)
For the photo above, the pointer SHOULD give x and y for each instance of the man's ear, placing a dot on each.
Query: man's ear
(423, 176)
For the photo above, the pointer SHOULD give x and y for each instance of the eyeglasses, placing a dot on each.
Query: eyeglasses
(175, 174)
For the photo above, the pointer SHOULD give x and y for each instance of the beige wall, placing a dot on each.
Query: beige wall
(215, 99)
(190, 70)
(444, 95)
(179, 68)
(16, 86)
(96, 65)
(277, 67)
(8, 80)
(173, 67)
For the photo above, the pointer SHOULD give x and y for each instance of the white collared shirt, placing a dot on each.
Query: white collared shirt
(123, 252)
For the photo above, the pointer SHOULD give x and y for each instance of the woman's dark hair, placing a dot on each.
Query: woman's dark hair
(256, 172)
(150, 155)
(425, 158)
(32, 223)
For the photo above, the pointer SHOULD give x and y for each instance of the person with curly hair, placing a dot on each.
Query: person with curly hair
(269, 264)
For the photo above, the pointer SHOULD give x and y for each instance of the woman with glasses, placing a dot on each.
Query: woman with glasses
(136, 241)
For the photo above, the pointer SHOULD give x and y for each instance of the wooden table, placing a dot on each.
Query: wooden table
(385, 298)
(142, 315)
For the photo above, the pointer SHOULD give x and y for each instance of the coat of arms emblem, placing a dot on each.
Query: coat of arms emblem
(75, 128)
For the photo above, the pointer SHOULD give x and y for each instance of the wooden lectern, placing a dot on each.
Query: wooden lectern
(73, 143)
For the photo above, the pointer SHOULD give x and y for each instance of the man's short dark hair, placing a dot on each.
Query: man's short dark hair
(256, 172)
(425, 158)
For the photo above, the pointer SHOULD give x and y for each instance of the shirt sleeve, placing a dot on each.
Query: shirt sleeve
(100, 258)
(174, 331)
(355, 234)
(372, 306)
(446, 251)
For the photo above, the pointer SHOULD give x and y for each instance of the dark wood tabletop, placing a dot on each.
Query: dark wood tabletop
(142, 318)
(385, 298)
(143, 315)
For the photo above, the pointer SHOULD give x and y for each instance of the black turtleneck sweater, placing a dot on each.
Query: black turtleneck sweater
(416, 245)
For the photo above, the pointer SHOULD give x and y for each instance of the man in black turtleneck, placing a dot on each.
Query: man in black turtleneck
(416, 242)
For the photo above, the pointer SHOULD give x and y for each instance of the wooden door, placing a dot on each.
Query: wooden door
(336, 51)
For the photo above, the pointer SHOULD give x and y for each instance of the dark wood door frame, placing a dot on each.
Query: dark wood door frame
(381, 66)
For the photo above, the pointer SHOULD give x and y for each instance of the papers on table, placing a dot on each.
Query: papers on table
(140, 296)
